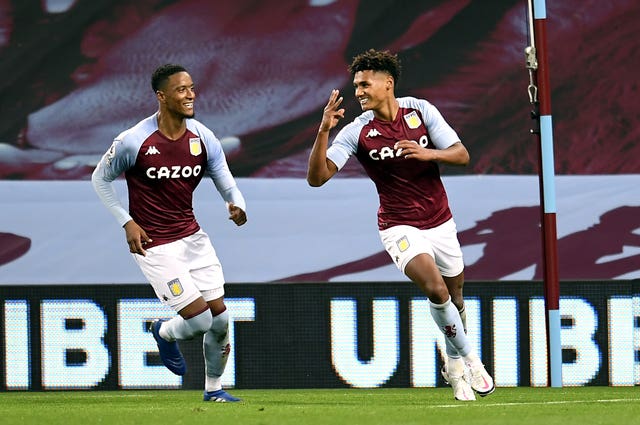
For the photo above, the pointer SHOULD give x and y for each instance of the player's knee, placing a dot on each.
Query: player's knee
(220, 323)
(437, 294)
(201, 323)
(458, 301)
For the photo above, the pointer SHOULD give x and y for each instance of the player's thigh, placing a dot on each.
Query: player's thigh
(169, 275)
(446, 248)
(403, 243)
(205, 267)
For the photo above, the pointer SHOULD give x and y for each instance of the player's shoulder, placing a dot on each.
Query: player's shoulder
(352, 130)
(140, 132)
(413, 102)
(199, 129)
(361, 120)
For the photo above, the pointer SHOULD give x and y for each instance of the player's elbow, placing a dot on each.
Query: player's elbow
(317, 175)
(315, 181)
(462, 155)
(464, 161)
(317, 178)
(95, 178)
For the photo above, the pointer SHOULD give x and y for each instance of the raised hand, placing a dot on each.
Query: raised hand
(332, 112)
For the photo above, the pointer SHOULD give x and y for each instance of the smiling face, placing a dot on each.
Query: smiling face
(373, 89)
(177, 95)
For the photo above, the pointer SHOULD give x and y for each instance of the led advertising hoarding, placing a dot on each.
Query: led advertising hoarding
(316, 335)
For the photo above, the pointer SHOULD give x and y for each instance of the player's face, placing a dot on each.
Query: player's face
(372, 88)
(179, 95)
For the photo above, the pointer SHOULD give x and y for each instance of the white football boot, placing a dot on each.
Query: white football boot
(453, 373)
(481, 381)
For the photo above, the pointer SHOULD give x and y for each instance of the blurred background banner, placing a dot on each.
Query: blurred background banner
(58, 232)
(76, 73)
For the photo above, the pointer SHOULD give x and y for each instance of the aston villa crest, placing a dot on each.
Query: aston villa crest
(195, 147)
(413, 120)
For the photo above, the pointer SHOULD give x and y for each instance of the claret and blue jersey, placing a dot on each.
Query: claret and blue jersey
(410, 191)
(162, 175)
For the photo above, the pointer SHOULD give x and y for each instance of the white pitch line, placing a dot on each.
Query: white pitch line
(118, 395)
(528, 403)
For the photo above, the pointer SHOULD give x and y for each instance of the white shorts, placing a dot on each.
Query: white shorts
(182, 271)
(441, 243)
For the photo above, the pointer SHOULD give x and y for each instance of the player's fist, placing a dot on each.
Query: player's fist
(237, 214)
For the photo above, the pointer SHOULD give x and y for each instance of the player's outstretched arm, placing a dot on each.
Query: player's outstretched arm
(321, 169)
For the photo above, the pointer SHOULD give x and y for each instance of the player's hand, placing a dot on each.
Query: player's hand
(411, 149)
(237, 214)
(136, 238)
(332, 112)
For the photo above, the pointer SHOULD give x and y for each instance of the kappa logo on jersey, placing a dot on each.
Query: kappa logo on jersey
(194, 146)
(175, 287)
(373, 133)
(403, 244)
(412, 119)
(152, 150)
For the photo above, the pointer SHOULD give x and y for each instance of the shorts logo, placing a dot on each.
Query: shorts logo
(412, 119)
(403, 244)
(194, 146)
(175, 287)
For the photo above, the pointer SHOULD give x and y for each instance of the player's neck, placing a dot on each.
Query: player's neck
(387, 110)
(170, 126)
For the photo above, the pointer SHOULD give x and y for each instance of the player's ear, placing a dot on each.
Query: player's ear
(160, 95)
(389, 82)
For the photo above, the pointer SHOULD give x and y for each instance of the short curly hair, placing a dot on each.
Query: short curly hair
(377, 60)
(162, 74)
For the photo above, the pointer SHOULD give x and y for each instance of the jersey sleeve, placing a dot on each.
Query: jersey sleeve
(345, 143)
(441, 133)
(218, 169)
(120, 157)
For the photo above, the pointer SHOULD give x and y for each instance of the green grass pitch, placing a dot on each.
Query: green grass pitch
(432, 406)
